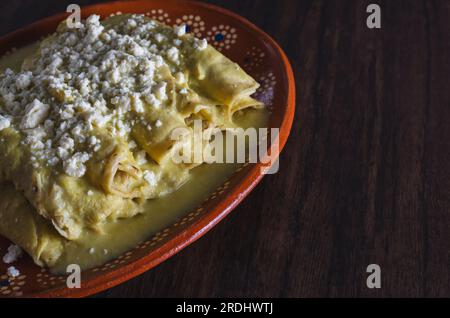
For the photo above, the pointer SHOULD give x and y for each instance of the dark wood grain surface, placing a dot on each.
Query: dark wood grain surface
(364, 178)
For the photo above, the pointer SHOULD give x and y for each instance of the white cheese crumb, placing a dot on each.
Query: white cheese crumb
(123, 103)
(180, 30)
(90, 193)
(35, 138)
(92, 250)
(62, 153)
(158, 60)
(97, 118)
(173, 55)
(94, 28)
(114, 76)
(12, 271)
(138, 106)
(152, 100)
(158, 123)
(74, 166)
(150, 177)
(201, 44)
(131, 23)
(5, 122)
(13, 254)
(93, 19)
(66, 146)
(35, 113)
(141, 157)
(180, 78)
(85, 87)
(160, 91)
(159, 37)
(53, 66)
(132, 144)
(95, 143)
(23, 80)
(138, 50)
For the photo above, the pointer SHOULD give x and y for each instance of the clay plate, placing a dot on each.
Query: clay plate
(245, 44)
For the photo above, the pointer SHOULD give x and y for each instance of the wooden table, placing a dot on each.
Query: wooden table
(365, 176)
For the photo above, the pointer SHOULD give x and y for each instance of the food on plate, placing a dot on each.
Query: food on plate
(86, 123)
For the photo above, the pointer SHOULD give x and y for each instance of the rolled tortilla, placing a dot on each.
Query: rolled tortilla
(20, 224)
(214, 75)
(60, 198)
(114, 169)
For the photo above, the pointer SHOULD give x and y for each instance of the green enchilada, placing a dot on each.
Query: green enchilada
(86, 123)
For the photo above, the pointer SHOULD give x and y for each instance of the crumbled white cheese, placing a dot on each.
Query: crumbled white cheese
(138, 50)
(74, 166)
(4, 122)
(94, 28)
(12, 272)
(23, 80)
(138, 106)
(62, 153)
(159, 61)
(201, 44)
(158, 123)
(180, 30)
(95, 143)
(150, 177)
(85, 87)
(67, 112)
(13, 254)
(131, 23)
(177, 42)
(152, 100)
(35, 138)
(122, 103)
(141, 157)
(35, 114)
(92, 250)
(180, 78)
(90, 193)
(132, 144)
(97, 119)
(53, 161)
(66, 146)
(159, 37)
(53, 66)
(94, 76)
(114, 76)
(160, 91)
(173, 55)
